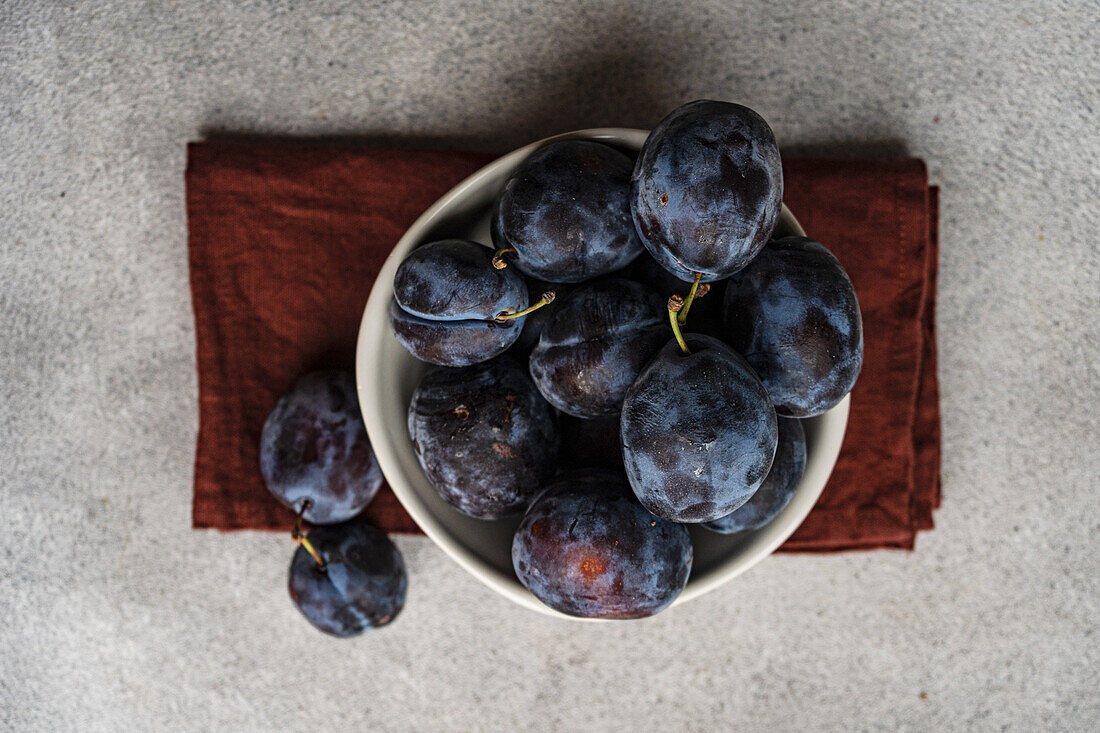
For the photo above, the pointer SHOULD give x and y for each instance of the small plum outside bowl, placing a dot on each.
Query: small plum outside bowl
(386, 375)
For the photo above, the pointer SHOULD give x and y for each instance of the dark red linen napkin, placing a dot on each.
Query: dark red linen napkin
(880, 219)
(286, 239)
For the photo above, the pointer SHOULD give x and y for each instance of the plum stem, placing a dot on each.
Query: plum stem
(300, 539)
(675, 304)
(498, 261)
(683, 318)
(546, 299)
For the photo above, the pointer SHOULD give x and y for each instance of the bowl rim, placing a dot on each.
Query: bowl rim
(375, 325)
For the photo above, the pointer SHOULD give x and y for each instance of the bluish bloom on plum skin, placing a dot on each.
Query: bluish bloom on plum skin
(778, 488)
(793, 314)
(707, 189)
(454, 280)
(595, 345)
(447, 297)
(631, 437)
(566, 211)
(314, 448)
(453, 343)
(699, 432)
(362, 585)
(587, 548)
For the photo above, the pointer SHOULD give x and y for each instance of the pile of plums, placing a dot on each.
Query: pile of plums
(568, 386)
(346, 576)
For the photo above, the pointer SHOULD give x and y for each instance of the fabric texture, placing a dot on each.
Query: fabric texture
(285, 241)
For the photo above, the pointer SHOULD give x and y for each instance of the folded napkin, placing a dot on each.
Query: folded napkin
(286, 239)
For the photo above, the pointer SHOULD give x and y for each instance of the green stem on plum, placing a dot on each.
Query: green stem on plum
(300, 539)
(546, 299)
(675, 304)
(498, 261)
(690, 299)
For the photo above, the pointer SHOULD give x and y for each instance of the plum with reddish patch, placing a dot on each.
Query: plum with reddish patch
(587, 548)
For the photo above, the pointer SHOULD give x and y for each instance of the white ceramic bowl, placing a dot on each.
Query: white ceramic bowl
(387, 374)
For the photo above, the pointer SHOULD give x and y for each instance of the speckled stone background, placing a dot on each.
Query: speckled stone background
(116, 616)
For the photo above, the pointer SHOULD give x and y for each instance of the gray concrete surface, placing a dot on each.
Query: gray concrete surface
(116, 616)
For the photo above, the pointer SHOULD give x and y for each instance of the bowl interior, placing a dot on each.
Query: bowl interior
(386, 376)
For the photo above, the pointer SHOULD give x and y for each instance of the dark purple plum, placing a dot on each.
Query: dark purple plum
(361, 586)
(707, 189)
(314, 448)
(454, 280)
(706, 311)
(566, 212)
(595, 345)
(453, 343)
(451, 307)
(778, 487)
(699, 432)
(587, 548)
(794, 316)
(484, 436)
(590, 443)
